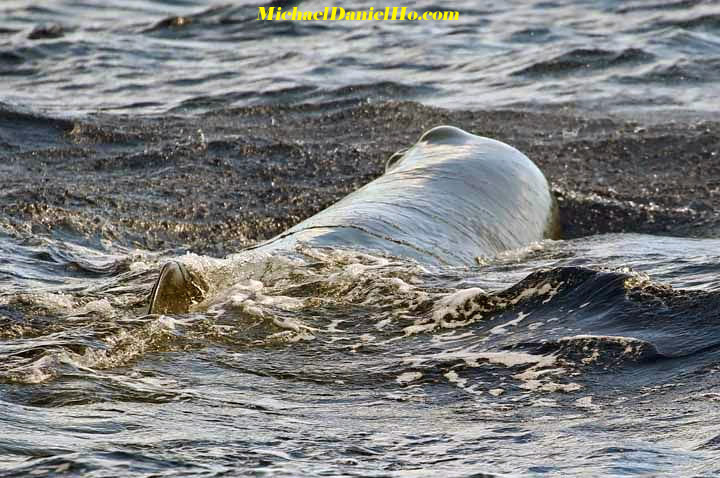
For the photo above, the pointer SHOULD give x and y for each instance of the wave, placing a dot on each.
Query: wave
(574, 318)
(681, 71)
(585, 60)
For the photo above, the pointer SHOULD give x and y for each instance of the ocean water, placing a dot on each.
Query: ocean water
(186, 56)
(137, 133)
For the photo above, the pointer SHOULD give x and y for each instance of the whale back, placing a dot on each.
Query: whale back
(449, 199)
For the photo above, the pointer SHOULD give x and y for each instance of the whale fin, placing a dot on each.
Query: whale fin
(175, 290)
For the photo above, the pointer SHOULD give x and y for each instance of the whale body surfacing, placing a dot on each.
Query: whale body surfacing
(447, 200)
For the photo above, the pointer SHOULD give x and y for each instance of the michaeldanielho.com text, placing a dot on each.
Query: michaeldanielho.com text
(339, 13)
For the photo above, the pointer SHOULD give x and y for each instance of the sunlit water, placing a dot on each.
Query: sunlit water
(334, 362)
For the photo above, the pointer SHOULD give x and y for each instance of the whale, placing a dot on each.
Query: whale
(449, 200)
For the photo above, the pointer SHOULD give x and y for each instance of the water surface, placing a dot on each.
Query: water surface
(129, 137)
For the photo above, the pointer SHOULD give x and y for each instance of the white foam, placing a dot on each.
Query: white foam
(538, 385)
(535, 378)
(472, 359)
(408, 377)
(101, 307)
(449, 311)
(54, 302)
(450, 304)
(543, 289)
(400, 285)
(585, 402)
(140, 266)
(633, 346)
(544, 402)
(502, 329)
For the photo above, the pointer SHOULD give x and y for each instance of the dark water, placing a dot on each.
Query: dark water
(128, 137)
(139, 57)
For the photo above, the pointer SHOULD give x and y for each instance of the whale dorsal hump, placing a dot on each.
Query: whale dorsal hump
(444, 135)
